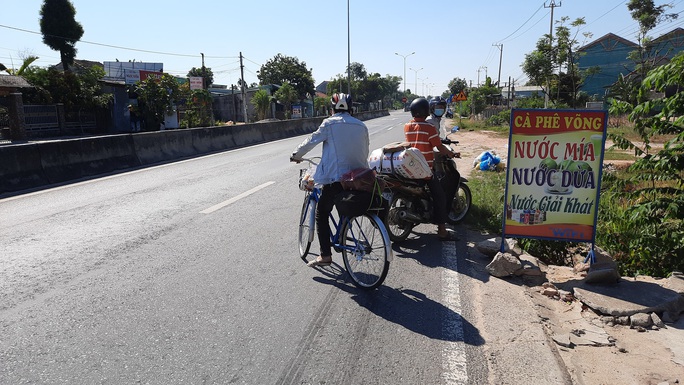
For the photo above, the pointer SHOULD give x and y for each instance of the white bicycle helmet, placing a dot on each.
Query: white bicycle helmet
(341, 102)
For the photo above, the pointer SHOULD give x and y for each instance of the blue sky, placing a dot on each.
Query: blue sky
(455, 39)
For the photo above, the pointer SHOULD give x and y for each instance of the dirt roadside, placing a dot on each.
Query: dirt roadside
(618, 355)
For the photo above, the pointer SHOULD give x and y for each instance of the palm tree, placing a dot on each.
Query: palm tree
(27, 62)
(261, 101)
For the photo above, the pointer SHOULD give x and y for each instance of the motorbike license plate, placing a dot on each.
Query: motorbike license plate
(387, 196)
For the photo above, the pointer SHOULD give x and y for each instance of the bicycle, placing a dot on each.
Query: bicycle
(363, 240)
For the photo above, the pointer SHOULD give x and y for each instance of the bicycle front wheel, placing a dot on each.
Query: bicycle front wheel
(306, 225)
(366, 250)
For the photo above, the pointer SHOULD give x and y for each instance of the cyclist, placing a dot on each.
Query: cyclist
(345, 148)
(424, 137)
(438, 107)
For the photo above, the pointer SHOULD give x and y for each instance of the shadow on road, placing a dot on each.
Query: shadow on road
(408, 308)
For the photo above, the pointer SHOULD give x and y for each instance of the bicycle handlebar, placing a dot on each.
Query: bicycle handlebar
(313, 161)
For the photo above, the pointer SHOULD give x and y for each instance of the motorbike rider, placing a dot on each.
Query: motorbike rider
(438, 107)
(345, 147)
(424, 136)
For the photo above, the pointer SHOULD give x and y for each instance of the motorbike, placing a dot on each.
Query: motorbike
(410, 201)
(449, 114)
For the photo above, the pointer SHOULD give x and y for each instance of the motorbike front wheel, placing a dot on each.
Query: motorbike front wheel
(397, 228)
(461, 204)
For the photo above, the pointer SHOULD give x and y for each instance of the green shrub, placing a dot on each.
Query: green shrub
(486, 214)
(487, 207)
(502, 118)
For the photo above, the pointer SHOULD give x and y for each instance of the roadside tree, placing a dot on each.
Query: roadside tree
(207, 74)
(287, 95)
(76, 91)
(625, 94)
(60, 29)
(198, 111)
(645, 224)
(553, 63)
(261, 102)
(648, 16)
(156, 98)
(367, 89)
(281, 69)
(456, 85)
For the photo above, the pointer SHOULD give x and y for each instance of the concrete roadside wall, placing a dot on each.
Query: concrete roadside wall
(32, 165)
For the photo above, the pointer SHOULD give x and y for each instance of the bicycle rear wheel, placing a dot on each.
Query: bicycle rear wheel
(306, 225)
(366, 250)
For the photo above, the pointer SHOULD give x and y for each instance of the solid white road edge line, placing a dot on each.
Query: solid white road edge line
(454, 363)
(236, 198)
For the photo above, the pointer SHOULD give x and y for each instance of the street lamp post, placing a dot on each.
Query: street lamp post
(422, 85)
(348, 54)
(416, 73)
(405, 56)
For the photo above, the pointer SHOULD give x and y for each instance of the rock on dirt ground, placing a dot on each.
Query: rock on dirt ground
(594, 352)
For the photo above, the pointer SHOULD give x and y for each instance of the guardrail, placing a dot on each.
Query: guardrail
(33, 165)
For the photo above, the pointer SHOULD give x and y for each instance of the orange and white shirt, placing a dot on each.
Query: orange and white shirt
(423, 136)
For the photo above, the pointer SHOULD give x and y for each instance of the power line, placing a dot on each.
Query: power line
(119, 47)
(512, 33)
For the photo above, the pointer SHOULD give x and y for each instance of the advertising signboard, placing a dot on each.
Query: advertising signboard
(132, 76)
(296, 111)
(196, 83)
(553, 177)
(150, 74)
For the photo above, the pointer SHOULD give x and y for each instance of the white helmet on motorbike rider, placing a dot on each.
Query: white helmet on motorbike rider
(438, 107)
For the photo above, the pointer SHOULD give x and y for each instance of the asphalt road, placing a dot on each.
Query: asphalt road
(188, 273)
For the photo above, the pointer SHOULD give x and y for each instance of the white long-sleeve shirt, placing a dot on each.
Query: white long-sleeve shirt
(345, 147)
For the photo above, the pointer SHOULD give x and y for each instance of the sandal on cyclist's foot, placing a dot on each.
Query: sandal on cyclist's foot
(320, 261)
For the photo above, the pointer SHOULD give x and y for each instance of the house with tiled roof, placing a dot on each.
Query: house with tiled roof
(11, 83)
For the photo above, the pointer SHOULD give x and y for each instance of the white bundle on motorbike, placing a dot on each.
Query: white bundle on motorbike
(406, 162)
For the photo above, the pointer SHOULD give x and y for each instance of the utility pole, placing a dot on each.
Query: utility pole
(204, 74)
(478, 74)
(244, 99)
(508, 101)
(552, 5)
(500, 46)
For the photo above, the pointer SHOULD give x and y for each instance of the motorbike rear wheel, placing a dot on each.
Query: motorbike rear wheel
(461, 204)
(397, 228)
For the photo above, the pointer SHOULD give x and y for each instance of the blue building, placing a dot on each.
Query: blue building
(608, 55)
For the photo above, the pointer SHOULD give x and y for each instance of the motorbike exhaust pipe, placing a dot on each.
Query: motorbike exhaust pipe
(409, 217)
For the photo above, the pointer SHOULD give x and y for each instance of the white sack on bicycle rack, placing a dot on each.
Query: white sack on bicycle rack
(409, 163)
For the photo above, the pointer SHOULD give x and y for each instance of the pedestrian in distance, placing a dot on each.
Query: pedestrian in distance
(345, 147)
(134, 117)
